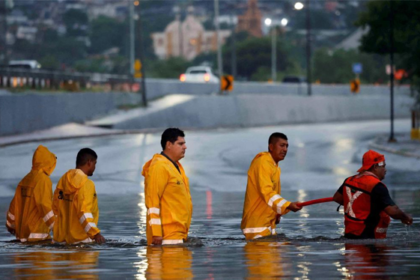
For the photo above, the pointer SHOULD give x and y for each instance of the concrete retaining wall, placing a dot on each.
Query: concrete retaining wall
(31, 112)
(160, 87)
(256, 110)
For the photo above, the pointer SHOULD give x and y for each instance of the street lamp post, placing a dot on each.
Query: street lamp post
(269, 22)
(219, 49)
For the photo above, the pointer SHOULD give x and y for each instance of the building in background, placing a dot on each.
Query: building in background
(251, 21)
(186, 38)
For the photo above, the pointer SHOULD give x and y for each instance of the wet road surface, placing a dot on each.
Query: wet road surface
(308, 246)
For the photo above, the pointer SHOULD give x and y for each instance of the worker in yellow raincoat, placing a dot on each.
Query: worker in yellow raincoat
(264, 205)
(75, 203)
(167, 192)
(30, 216)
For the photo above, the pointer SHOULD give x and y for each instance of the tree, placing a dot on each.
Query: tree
(106, 32)
(406, 30)
(76, 22)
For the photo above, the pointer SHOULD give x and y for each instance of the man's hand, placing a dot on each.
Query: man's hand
(12, 231)
(157, 240)
(99, 238)
(294, 207)
(408, 220)
(278, 217)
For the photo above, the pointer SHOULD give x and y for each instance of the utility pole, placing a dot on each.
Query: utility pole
(391, 75)
(273, 54)
(132, 37)
(141, 55)
(219, 49)
(3, 30)
(308, 48)
(233, 48)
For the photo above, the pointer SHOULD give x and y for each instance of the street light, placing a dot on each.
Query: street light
(268, 23)
(299, 6)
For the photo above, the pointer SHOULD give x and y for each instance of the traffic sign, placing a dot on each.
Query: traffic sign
(357, 68)
(355, 85)
(137, 69)
(227, 83)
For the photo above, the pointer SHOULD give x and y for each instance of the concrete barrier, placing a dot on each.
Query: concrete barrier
(31, 112)
(257, 110)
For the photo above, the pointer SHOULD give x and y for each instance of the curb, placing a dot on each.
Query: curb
(374, 145)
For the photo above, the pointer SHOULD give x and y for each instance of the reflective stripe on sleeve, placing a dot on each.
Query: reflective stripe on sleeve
(172, 241)
(37, 236)
(153, 210)
(48, 216)
(281, 203)
(381, 230)
(257, 236)
(255, 229)
(10, 225)
(11, 216)
(23, 240)
(89, 226)
(155, 222)
(273, 198)
(85, 216)
(51, 226)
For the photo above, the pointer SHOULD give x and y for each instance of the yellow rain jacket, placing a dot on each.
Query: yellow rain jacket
(262, 199)
(30, 213)
(168, 200)
(76, 208)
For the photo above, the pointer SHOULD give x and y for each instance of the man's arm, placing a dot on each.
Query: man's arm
(43, 197)
(156, 183)
(10, 219)
(385, 202)
(85, 203)
(338, 197)
(396, 213)
(262, 176)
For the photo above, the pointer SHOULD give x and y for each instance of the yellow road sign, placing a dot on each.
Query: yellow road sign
(227, 83)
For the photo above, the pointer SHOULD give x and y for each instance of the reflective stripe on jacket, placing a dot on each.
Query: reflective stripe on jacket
(168, 199)
(357, 205)
(30, 213)
(76, 207)
(263, 201)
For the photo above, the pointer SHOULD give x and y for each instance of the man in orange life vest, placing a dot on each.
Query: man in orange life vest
(366, 200)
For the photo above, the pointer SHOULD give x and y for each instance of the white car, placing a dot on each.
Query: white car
(199, 74)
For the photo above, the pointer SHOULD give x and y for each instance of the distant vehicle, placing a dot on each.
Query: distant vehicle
(294, 79)
(199, 74)
(24, 64)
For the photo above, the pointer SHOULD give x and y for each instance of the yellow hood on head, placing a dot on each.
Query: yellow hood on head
(44, 160)
(72, 181)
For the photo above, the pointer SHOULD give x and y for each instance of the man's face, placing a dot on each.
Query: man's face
(177, 149)
(92, 166)
(278, 149)
(380, 171)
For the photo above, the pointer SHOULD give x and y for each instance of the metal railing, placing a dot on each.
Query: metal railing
(56, 80)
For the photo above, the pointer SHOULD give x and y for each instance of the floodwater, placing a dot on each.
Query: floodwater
(309, 243)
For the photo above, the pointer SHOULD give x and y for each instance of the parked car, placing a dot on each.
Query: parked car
(199, 74)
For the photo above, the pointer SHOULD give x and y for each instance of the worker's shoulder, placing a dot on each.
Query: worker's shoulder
(264, 158)
(160, 161)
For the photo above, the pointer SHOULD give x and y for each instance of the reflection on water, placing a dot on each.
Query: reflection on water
(264, 259)
(366, 261)
(169, 263)
(55, 265)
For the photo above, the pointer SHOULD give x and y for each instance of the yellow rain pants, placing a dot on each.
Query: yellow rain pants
(262, 199)
(30, 213)
(168, 201)
(76, 208)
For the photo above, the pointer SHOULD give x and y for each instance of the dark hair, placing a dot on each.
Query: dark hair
(171, 134)
(275, 136)
(84, 155)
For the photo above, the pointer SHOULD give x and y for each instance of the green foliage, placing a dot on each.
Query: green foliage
(336, 66)
(76, 22)
(106, 32)
(406, 16)
(170, 68)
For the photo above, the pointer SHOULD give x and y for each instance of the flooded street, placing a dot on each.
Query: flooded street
(308, 245)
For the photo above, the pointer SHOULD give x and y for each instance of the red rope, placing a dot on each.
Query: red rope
(315, 201)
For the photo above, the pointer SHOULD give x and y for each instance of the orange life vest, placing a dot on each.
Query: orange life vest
(357, 205)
